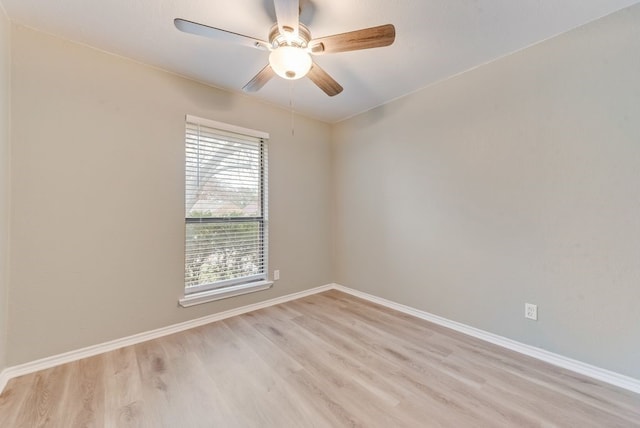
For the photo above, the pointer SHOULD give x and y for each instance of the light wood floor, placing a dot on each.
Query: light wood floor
(329, 360)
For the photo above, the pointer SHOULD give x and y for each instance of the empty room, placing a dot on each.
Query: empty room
(319, 213)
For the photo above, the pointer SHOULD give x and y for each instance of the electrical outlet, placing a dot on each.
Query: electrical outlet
(276, 274)
(531, 311)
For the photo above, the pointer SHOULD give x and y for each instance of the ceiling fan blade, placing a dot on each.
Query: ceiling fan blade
(260, 79)
(367, 38)
(287, 13)
(325, 82)
(218, 34)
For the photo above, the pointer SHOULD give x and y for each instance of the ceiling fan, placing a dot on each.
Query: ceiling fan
(291, 46)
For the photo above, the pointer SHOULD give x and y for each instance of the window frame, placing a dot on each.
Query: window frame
(203, 293)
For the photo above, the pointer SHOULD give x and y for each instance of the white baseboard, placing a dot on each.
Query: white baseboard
(603, 375)
(67, 357)
(594, 372)
(4, 378)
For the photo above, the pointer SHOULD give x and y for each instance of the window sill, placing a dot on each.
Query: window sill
(223, 293)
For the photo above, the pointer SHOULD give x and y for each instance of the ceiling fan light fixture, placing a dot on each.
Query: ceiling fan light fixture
(290, 62)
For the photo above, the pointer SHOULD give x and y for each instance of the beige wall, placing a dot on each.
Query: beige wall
(515, 182)
(5, 166)
(98, 149)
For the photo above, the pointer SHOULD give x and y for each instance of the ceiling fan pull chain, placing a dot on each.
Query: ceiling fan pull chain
(291, 107)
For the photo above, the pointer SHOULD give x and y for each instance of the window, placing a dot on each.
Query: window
(225, 211)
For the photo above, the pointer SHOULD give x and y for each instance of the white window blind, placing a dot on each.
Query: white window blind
(225, 206)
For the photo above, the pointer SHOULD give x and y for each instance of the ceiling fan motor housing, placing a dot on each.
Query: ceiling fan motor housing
(301, 40)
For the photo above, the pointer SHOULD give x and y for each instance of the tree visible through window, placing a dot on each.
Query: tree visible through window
(225, 206)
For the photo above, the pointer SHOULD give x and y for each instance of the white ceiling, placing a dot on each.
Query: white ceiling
(435, 39)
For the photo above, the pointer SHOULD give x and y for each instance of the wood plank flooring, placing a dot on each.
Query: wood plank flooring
(328, 360)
